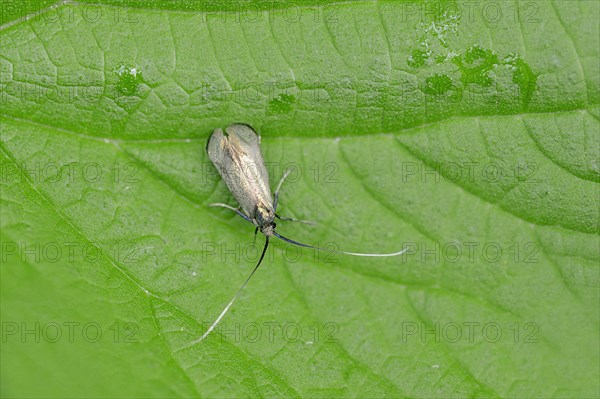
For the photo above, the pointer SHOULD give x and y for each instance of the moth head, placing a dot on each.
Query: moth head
(265, 218)
(268, 229)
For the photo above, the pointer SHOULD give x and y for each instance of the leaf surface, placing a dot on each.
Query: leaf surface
(469, 136)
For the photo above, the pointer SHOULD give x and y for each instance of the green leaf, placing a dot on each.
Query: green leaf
(466, 132)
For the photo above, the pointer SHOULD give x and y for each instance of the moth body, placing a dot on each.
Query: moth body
(236, 154)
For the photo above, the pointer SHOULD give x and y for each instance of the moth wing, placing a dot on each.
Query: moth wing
(239, 139)
(244, 133)
(216, 151)
(250, 144)
(236, 155)
(246, 140)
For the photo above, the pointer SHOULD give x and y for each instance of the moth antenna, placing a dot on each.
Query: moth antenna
(239, 291)
(334, 250)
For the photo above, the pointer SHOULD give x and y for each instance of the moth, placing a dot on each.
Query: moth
(236, 154)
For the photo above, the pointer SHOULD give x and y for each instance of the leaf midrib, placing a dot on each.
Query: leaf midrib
(397, 132)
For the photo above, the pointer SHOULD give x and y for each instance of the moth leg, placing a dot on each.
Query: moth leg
(233, 209)
(295, 220)
(285, 175)
(255, 231)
